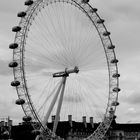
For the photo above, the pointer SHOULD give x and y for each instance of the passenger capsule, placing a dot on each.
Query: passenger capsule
(35, 132)
(114, 60)
(21, 14)
(99, 21)
(20, 101)
(28, 2)
(111, 47)
(93, 10)
(15, 83)
(85, 1)
(13, 64)
(114, 117)
(13, 46)
(16, 29)
(106, 33)
(116, 75)
(27, 118)
(111, 111)
(116, 89)
(115, 103)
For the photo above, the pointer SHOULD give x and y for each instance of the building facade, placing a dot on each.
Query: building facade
(124, 132)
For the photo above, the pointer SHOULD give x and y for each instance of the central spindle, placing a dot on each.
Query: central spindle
(66, 72)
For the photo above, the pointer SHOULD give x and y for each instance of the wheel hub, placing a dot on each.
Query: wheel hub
(66, 72)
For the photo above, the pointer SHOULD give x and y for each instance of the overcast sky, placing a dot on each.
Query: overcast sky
(122, 19)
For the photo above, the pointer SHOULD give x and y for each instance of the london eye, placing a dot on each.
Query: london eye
(64, 63)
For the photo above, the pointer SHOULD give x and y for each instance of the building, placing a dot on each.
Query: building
(22, 132)
(5, 128)
(72, 130)
(124, 132)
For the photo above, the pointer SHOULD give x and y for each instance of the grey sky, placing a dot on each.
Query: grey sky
(122, 19)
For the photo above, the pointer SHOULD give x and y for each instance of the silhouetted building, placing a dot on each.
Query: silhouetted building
(5, 128)
(72, 130)
(124, 132)
(22, 132)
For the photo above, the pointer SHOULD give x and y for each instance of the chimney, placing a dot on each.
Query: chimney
(84, 121)
(70, 120)
(91, 122)
(53, 118)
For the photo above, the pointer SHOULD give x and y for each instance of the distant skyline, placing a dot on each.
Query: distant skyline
(122, 20)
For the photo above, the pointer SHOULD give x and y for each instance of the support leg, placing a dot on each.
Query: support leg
(52, 104)
(59, 105)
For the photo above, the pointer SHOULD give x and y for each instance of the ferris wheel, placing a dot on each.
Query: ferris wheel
(64, 63)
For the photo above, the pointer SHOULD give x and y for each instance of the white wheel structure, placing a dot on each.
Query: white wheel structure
(64, 63)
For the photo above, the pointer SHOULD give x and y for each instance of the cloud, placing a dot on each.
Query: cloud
(72, 99)
(133, 99)
(128, 114)
(5, 55)
(121, 19)
(8, 7)
(4, 69)
(132, 114)
(7, 100)
(114, 10)
(8, 109)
